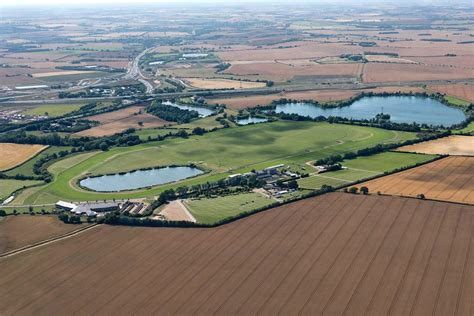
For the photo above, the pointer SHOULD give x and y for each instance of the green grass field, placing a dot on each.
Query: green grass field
(468, 129)
(210, 210)
(456, 101)
(8, 186)
(205, 122)
(54, 110)
(362, 168)
(227, 151)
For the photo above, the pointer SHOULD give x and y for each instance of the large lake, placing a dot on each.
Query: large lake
(402, 109)
(139, 179)
(203, 111)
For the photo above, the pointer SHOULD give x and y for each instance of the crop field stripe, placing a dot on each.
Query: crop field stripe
(224, 258)
(260, 273)
(223, 243)
(278, 300)
(458, 255)
(234, 280)
(328, 287)
(254, 302)
(454, 174)
(441, 252)
(412, 277)
(144, 259)
(451, 169)
(54, 287)
(188, 248)
(13, 274)
(237, 261)
(388, 286)
(464, 303)
(390, 245)
(337, 252)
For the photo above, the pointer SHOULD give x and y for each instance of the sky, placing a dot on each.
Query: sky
(91, 2)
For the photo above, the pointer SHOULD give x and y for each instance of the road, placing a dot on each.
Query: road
(232, 92)
(134, 71)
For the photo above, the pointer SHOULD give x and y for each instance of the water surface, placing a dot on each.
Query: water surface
(250, 120)
(203, 111)
(402, 109)
(139, 179)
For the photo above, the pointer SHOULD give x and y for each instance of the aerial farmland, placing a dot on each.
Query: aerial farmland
(298, 159)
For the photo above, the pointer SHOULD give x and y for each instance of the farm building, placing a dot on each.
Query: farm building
(89, 209)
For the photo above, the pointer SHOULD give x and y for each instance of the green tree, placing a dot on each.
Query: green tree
(364, 190)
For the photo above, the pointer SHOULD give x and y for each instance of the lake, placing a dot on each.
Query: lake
(203, 111)
(250, 120)
(139, 179)
(402, 109)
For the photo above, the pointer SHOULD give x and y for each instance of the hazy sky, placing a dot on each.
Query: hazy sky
(90, 2)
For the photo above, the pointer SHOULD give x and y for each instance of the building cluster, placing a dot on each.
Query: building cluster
(15, 116)
(273, 177)
(98, 208)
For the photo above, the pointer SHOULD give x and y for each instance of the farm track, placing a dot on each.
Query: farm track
(336, 254)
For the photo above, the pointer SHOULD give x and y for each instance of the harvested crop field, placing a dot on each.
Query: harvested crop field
(332, 254)
(254, 100)
(16, 154)
(377, 72)
(222, 83)
(449, 179)
(23, 230)
(282, 72)
(121, 120)
(462, 91)
(452, 145)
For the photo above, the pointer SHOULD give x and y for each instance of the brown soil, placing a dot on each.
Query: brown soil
(333, 254)
(23, 230)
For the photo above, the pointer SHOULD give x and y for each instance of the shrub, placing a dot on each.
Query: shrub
(353, 190)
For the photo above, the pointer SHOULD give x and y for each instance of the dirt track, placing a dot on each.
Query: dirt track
(334, 254)
(22, 230)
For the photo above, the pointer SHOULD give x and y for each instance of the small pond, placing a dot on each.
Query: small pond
(250, 120)
(402, 109)
(203, 111)
(139, 179)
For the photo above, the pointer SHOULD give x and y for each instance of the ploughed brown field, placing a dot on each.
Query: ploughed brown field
(452, 145)
(121, 120)
(24, 230)
(462, 91)
(333, 254)
(449, 179)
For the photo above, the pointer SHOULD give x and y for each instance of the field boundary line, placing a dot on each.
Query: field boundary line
(46, 242)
